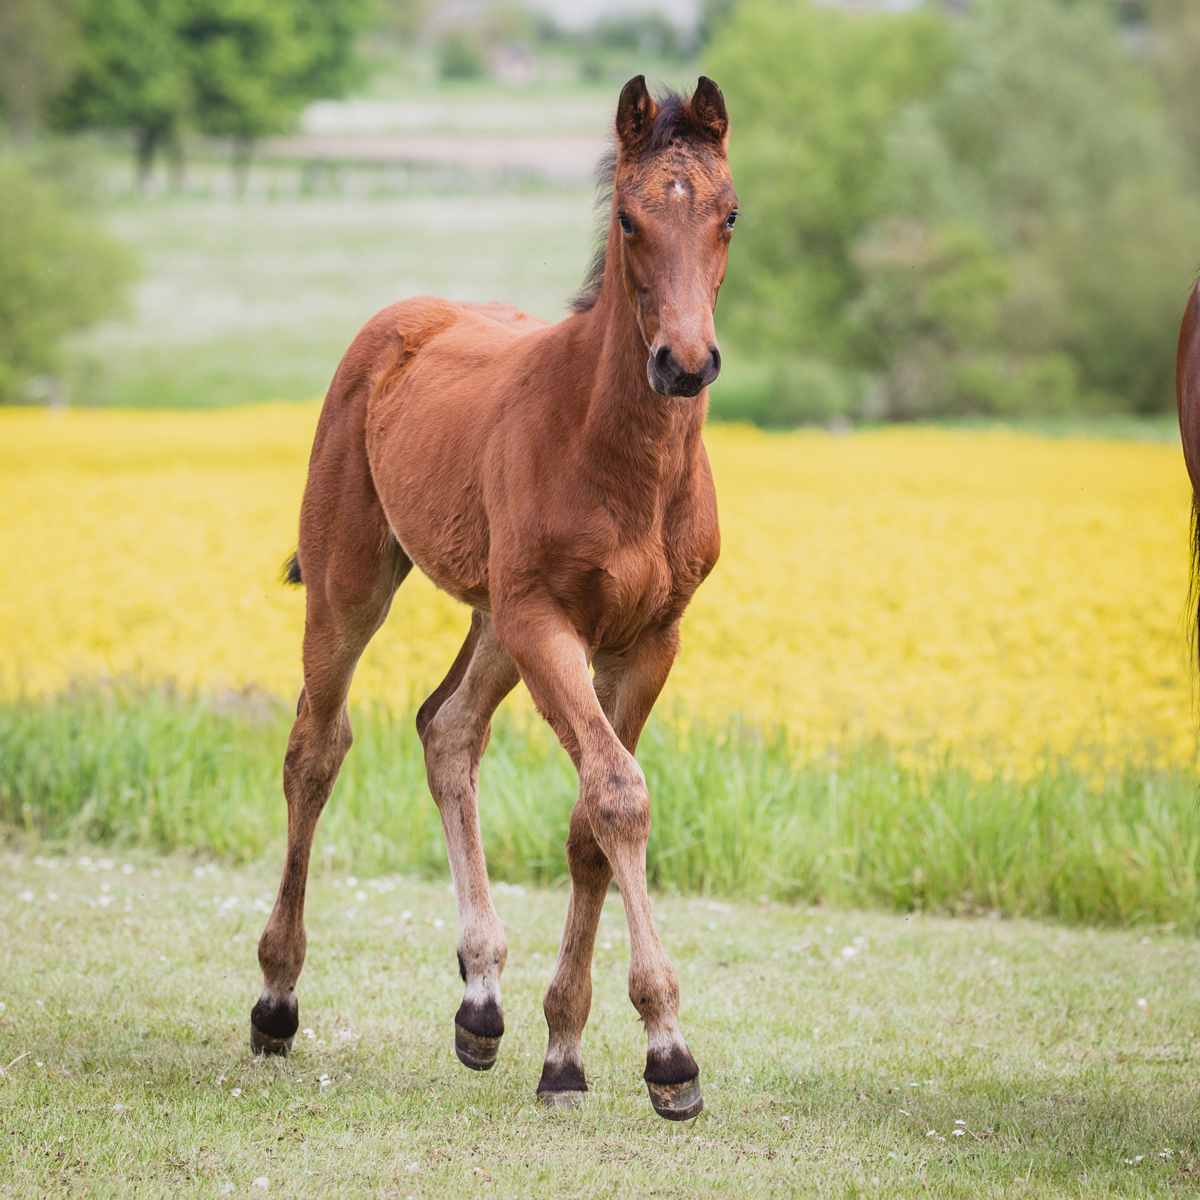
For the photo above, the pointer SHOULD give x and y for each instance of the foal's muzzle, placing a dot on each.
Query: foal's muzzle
(668, 377)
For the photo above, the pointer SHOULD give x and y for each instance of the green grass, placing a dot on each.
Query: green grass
(244, 301)
(736, 813)
(826, 1059)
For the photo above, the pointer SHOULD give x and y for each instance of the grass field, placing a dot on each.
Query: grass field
(734, 814)
(937, 673)
(934, 669)
(257, 300)
(841, 1052)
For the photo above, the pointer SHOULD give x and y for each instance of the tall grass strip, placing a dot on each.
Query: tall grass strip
(736, 811)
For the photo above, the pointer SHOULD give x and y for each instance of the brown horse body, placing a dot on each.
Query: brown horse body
(553, 478)
(1187, 399)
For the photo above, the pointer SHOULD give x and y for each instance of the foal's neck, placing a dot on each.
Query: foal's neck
(641, 436)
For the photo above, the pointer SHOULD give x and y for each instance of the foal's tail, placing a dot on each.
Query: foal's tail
(289, 573)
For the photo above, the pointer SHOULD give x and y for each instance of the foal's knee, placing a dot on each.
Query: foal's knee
(618, 803)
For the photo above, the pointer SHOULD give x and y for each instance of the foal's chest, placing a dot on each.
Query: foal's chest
(642, 584)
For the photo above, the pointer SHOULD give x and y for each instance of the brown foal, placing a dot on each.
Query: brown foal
(553, 478)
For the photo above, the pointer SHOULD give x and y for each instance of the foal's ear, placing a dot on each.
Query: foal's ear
(706, 109)
(636, 111)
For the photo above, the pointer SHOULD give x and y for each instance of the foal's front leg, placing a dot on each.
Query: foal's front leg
(613, 796)
(454, 724)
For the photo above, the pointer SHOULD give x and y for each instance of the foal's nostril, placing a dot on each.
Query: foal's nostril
(672, 378)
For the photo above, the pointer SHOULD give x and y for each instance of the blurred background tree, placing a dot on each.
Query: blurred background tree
(973, 207)
(1175, 53)
(252, 65)
(129, 75)
(986, 213)
(237, 68)
(58, 273)
(814, 92)
(1048, 140)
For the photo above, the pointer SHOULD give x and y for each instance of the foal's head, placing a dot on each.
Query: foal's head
(673, 212)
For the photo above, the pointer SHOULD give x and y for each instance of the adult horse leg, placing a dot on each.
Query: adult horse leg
(613, 796)
(454, 725)
(349, 592)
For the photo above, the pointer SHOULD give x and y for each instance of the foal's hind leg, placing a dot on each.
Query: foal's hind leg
(350, 588)
(569, 996)
(454, 725)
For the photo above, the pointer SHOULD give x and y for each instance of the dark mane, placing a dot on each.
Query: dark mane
(670, 124)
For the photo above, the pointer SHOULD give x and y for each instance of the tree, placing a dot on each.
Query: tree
(813, 93)
(57, 275)
(1048, 138)
(984, 211)
(237, 68)
(329, 32)
(253, 64)
(241, 58)
(130, 75)
(1175, 53)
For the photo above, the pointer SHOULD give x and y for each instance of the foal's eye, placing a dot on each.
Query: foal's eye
(733, 216)
(625, 223)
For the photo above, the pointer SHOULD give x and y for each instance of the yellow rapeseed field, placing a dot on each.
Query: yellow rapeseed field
(996, 596)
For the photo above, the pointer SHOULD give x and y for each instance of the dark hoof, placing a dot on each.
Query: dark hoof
(676, 1101)
(273, 1023)
(562, 1085)
(264, 1044)
(562, 1101)
(478, 1053)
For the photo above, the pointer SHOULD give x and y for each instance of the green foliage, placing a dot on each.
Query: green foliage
(1047, 139)
(241, 57)
(924, 295)
(130, 72)
(988, 215)
(226, 67)
(328, 33)
(461, 56)
(1175, 45)
(57, 274)
(813, 93)
(734, 812)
